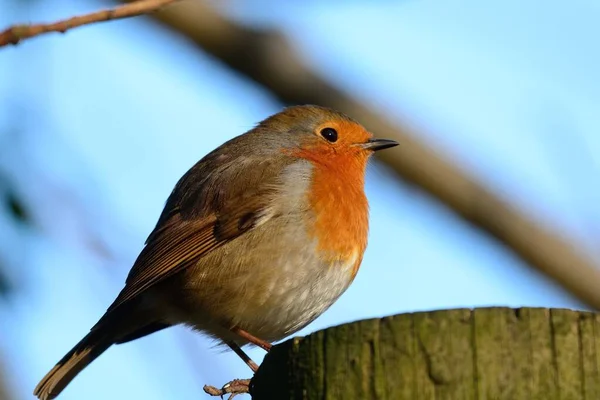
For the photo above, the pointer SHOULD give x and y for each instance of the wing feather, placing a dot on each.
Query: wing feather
(198, 219)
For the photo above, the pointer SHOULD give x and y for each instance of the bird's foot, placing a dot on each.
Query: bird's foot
(233, 388)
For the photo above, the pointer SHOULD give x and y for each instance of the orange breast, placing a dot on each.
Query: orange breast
(338, 199)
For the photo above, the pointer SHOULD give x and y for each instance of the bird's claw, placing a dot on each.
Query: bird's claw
(235, 387)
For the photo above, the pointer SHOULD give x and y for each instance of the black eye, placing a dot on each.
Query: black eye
(330, 134)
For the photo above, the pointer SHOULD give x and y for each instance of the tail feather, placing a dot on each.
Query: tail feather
(84, 352)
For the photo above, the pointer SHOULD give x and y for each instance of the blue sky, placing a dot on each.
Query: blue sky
(111, 115)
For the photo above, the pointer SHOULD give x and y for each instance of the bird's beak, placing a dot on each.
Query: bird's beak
(378, 144)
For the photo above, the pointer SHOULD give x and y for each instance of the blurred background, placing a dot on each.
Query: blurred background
(492, 198)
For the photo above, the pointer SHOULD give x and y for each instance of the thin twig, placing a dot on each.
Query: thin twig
(270, 60)
(16, 33)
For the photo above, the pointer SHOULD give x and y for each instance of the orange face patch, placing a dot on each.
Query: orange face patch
(337, 191)
(344, 153)
(350, 133)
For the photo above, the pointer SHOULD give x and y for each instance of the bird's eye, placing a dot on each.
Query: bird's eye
(329, 134)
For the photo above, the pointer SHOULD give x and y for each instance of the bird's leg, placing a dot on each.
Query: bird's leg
(237, 349)
(252, 339)
(236, 386)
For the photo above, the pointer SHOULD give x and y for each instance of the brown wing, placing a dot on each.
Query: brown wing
(202, 214)
(181, 243)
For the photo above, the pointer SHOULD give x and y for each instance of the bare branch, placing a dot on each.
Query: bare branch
(270, 60)
(17, 33)
(266, 57)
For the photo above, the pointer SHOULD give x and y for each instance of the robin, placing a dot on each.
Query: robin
(256, 240)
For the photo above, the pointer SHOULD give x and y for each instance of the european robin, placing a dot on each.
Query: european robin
(255, 241)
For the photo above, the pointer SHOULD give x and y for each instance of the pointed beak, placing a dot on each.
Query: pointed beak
(378, 144)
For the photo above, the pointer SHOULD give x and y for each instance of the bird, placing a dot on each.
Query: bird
(255, 241)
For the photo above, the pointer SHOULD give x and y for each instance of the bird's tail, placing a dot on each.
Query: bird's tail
(84, 352)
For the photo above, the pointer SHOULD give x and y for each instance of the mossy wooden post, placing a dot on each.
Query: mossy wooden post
(483, 354)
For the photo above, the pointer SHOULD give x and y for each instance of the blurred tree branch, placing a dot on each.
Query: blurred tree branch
(266, 57)
(5, 393)
(17, 33)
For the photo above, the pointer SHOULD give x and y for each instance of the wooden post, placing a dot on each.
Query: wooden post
(482, 354)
